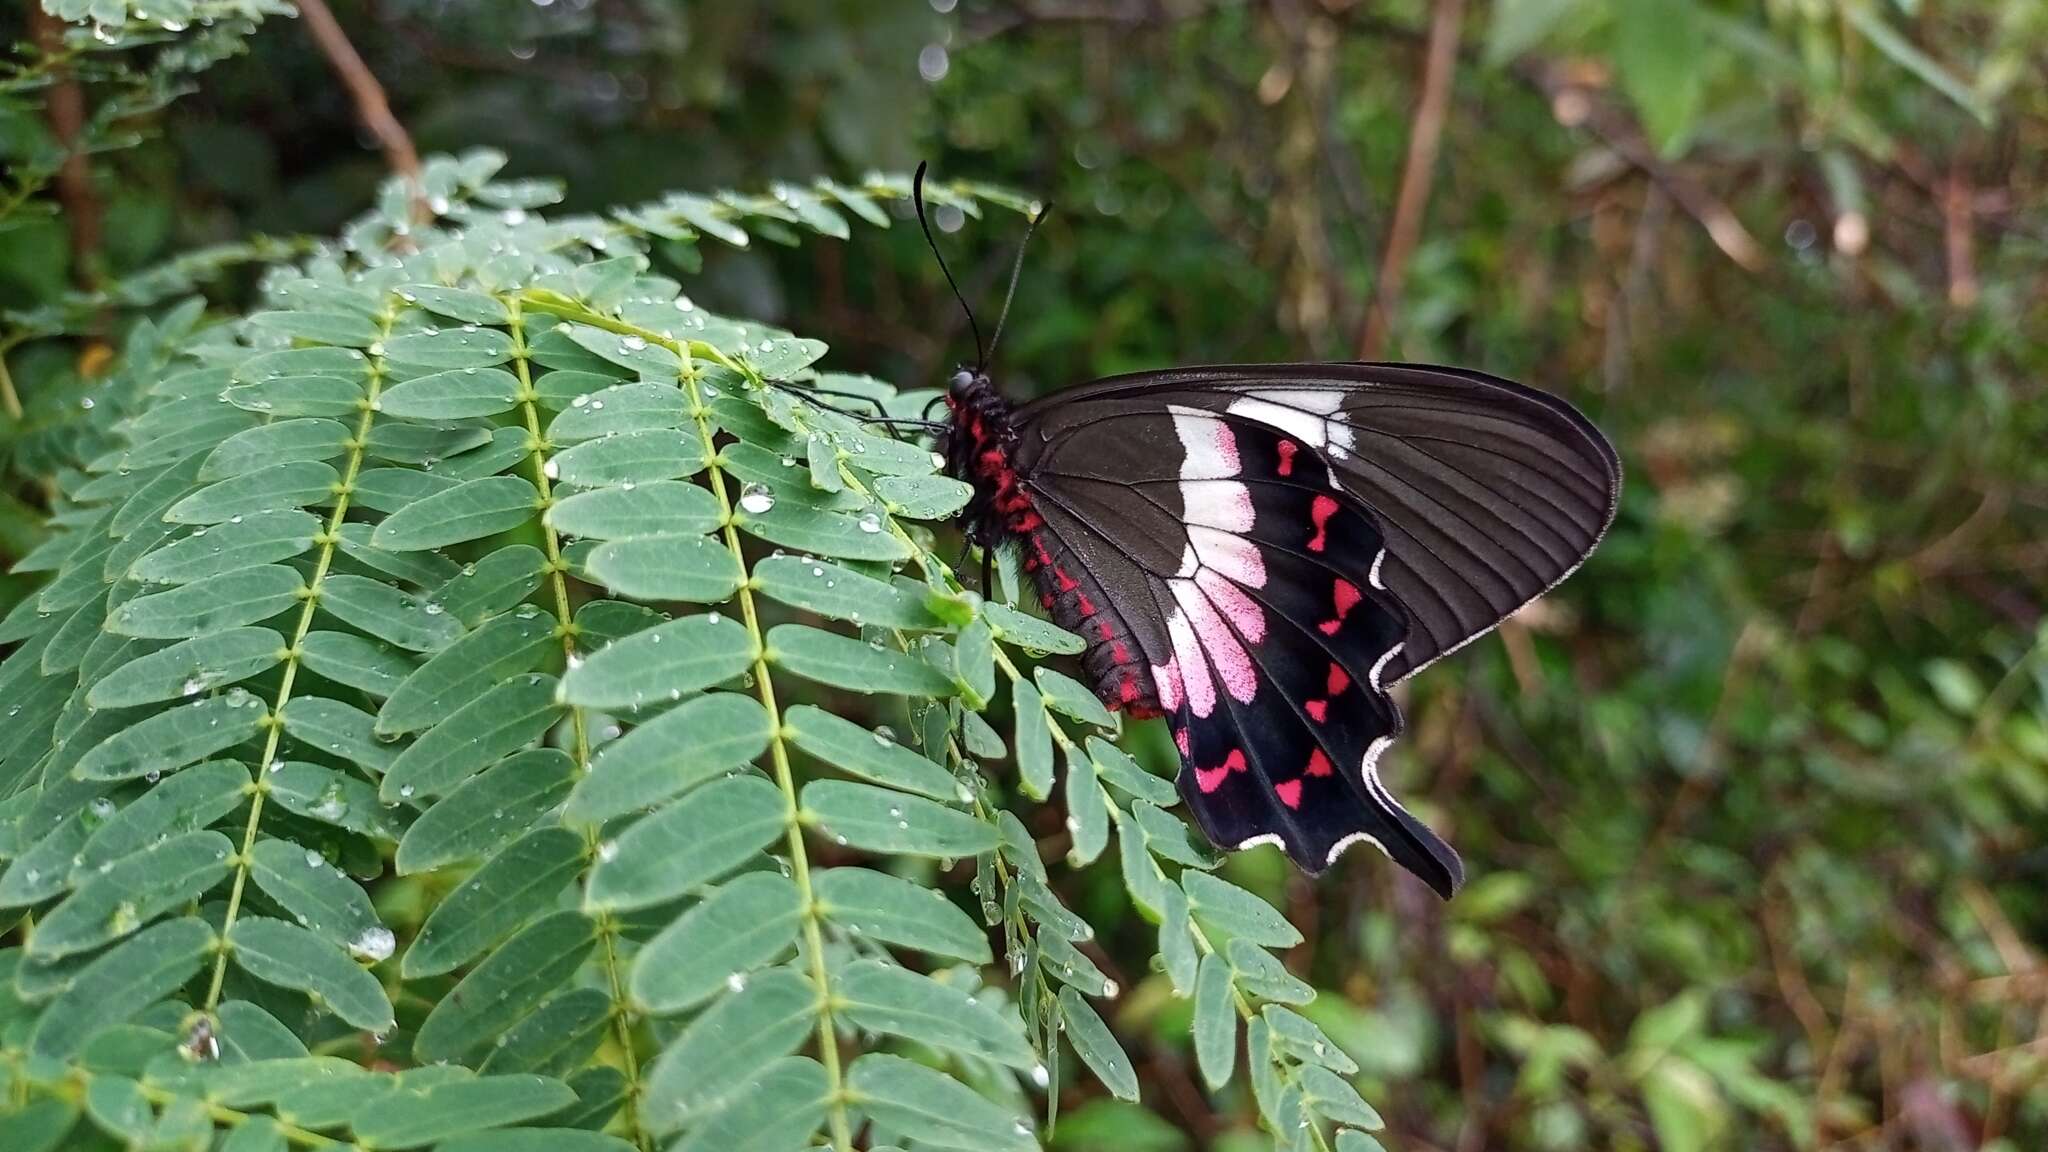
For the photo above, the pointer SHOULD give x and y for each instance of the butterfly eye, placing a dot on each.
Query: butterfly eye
(962, 381)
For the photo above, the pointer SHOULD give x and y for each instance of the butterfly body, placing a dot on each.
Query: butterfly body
(1259, 552)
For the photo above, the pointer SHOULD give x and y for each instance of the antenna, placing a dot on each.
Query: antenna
(917, 197)
(1016, 270)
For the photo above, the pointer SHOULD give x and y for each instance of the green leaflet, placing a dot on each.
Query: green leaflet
(869, 755)
(665, 662)
(189, 667)
(668, 755)
(880, 820)
(630, 458)
(855, 665)
(506, 718)
(488, 810)
(120, 983)
(502, 647)
(881, 997)
(767, 1016)
(709, 832)
(509, 983)
(467, 511)
(293, 957)
(637, 509)
(748, 922)
(318, 896)
(928, 1105)
(878, 906)
(131, 893)
(514, 886)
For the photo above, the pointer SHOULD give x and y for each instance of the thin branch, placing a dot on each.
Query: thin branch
(1577, 107)
(1418, 175)
(66, 106)
(368, 95)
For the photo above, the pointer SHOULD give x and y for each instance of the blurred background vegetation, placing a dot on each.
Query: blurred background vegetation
(1754, 806)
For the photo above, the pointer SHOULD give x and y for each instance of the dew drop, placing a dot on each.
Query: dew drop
(373, 944)
(756, 499)
(871, 523)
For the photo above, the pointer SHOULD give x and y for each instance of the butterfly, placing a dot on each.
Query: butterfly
(1259, 553)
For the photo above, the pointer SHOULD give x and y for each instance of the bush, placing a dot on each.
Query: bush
(384, 755)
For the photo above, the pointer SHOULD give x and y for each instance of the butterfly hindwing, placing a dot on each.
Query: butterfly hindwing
(1261, 632)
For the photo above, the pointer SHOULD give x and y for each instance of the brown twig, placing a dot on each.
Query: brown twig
(1575, 106)
(1418, 175)
(368, 95)
(66, 106)
(1958, 241)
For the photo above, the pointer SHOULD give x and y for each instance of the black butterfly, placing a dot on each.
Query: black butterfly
(1259, 552)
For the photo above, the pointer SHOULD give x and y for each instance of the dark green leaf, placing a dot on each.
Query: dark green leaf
(881, 997)
(288, 955)
(413, 1118)
(132, 892)
(750, 921)
(766, 1017)
(666, 662)
(668, 755)
(852, 664)
(630, 509)
(172, 739)
(487, 811)
(189, 667)
(508, 984)
(699, 838)
(318, 896)
(286, 441)
(830, 590)
(1097, 1047)
(260, 538)
(465, 512)
(512, 888)
(869, 755)
(931, 1106)
(290, 485)
(120, 983)
(880, 820)
(500, 648)
(503, 720)
(889, 909)
(452, 395)
(697, 569)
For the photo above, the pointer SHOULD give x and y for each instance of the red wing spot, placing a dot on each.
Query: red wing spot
(1320, 510)
(1318, 764)
(1127, 691)
(1318, 710)
(1210, 779)
(1289, 792)
(1102, 629)
(1067, 583)
(1045, 600)
(1348, 597)
(1339, 681)
(1287, 448)
(1118, 652)
(1087, 606)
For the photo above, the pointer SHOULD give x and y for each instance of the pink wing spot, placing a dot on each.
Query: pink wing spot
(1167, 677)
(1241, 610)
(1320, 510)
(1192, 664)
(1339, 681)
(1287, 450)
(1180, 740)
(1232, 664)
(1233, 556)
(1318, 710)
(1331, 627)
(1289, 792)
(1318, 764)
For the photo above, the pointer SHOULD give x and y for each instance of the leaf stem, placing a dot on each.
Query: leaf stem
(328, 539)
(764, 684)
(615, 984)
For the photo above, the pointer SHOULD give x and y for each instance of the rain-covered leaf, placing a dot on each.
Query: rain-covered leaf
(881, 997)
(466, 347)
(465, 512)
(697, 740)
(498, 649)
(289, 485)
(867, 754)
(892, 910)
(260, 538)
(766, 1017)
(488, 810)
(513, 887)
(226, 601)
(840, 593)
(1097, 1046)
(853, 664)
(630, 458)
(131, 893)
(697, 569)
(750, 921)
(189, 667)
(121, 982)
(452, 395)
(509, 983)
(709, 832)
(1029, 632)
(1236, 912)
(881, 820)
(317, 895)
(931, 1106)
(1215, 1025)
(290, 956)
(665, 662)
(285, 441)
(506, 718)
(413, 1118)
(171, 739)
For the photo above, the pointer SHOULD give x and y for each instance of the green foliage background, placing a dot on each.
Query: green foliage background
(1753, 805)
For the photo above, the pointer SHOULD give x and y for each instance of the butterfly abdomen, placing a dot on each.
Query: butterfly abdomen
(1002, 512)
